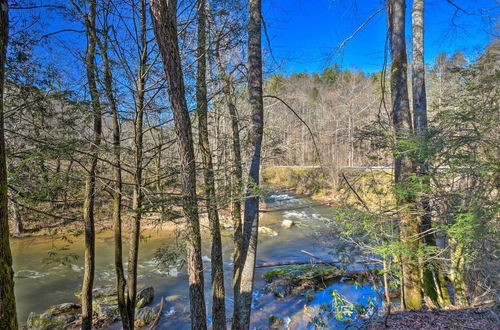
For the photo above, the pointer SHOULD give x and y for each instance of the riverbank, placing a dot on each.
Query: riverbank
(474, 317)
(367, 188)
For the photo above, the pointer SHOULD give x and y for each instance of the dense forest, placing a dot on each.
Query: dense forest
(157, 137)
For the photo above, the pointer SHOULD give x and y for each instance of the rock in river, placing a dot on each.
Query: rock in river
(146, 315)
(275, 322)
(287, 223)
(55, 317)
(144, 297)
(267, 231)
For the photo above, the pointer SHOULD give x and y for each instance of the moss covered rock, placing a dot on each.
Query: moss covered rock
(275, 321)
(146, 315)
(144, 297)
(303, 273)
(55, 317)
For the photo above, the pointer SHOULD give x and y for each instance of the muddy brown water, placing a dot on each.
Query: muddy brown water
(49, 270)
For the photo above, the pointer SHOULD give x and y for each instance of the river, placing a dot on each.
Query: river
(49, 270)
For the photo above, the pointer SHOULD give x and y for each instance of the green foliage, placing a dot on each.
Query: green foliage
(276, 83)
(300, 273)
(330, 75)
(342, 310)
(170, 255)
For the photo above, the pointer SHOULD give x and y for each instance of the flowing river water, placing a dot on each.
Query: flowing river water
(42, 279)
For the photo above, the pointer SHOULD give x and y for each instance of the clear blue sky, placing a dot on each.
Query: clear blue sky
(305, 34)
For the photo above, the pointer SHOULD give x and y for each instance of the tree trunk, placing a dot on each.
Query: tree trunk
(159, 180)
(236, 175)
(431, 273)
(89, 197)
(409, 222)
(117, 184)
(236, 190)
(15, 213)
(137, 198)
(218, 295)
(242, 308)
(8, 317)
(457, 273)
(164, 14)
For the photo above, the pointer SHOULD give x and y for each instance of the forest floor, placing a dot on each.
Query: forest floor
(485, 317)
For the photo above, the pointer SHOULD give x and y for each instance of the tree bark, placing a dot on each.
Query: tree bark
(236, 174)
(164, 13)
(218, 295)
(117, 184)
(15, 213)
(137, 199)
(431, 273)
(403, 168)
(8, 316)
(457, 271)
(242, 308)
(89, 197)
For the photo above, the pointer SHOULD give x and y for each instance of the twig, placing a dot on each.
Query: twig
(342, 44)
(355, 193)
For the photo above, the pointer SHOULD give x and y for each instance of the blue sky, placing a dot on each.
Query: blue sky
(305, 34)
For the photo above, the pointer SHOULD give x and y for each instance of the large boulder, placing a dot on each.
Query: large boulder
(105, 301)
(55, 317)
(146, 315)
(144, 297)
(106, 311)
(64, 308)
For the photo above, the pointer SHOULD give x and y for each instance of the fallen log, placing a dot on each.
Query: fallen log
(154, 325)
(313, 262)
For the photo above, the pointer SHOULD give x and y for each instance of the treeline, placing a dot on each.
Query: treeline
(346, 112)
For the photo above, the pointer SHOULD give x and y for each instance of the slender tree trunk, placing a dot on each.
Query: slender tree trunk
(137, 193)
(236, 175)
(8, 317)
(456, 273)
(236, 190)
(15, 213)
(242, 308)
(165, 26)
(403, 168)
(117, 184)
(431, 277)
(218, 295)
(159, 180)
(89, 197)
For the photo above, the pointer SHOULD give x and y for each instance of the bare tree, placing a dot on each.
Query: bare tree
(433, 279)
(117, 170)
(89, 196)
(137, 200)
(403, 168)
(243, 304)
(165, 26)
(218, 296)
(8, 317)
